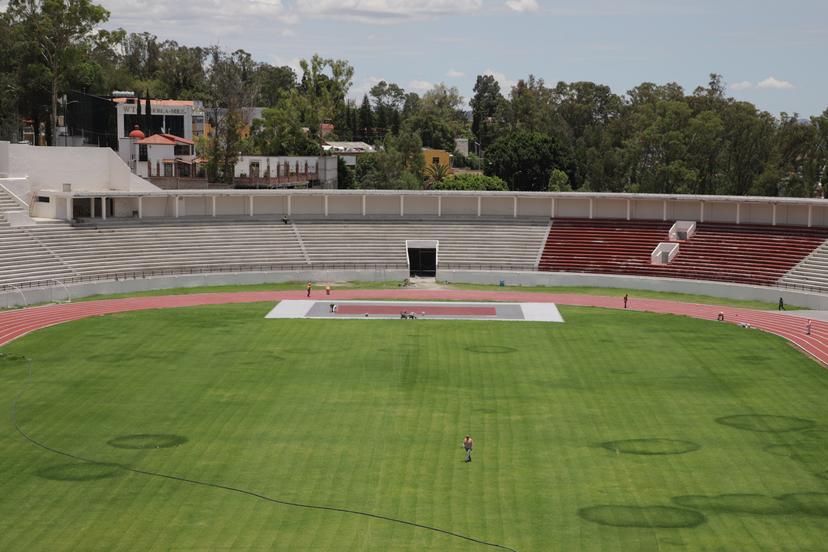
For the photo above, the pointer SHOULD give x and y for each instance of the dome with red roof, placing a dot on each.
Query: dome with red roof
(136, 133)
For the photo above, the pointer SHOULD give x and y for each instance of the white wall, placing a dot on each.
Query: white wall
(86, 169)
(45, 295)
(572, 279)
(243, 164)
(4, 159)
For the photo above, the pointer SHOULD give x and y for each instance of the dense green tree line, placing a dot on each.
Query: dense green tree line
(570, 136)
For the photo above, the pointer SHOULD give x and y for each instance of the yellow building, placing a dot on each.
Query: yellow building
(433, 157)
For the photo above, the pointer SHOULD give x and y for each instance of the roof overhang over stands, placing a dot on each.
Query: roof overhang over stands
(450, 193)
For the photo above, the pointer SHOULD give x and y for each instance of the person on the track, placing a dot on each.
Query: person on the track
(468, 444)
(309, 286)
(808, 328)
(626, 297)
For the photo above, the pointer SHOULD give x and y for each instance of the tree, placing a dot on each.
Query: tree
(397, 167)
(181, 71)
(280, 132)
(345, 175)
(437, 173)
(524, 159)
(273, 83)
(323, 88)
(9, 79)
(366, 118)
(232, 93)
(472, 182)
(486, 103)
(62, 32)
(558, 181)
(439, 118)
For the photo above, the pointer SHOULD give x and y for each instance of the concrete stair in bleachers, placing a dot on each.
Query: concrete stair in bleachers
(811, 273)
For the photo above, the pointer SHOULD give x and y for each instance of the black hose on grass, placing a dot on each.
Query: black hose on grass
(229, 488)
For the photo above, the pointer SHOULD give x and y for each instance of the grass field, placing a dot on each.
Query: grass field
(616, 431)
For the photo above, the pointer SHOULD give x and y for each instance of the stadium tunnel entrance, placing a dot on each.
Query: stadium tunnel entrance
(422, 257)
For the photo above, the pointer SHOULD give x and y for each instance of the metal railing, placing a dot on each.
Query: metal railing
(196, 270)
(116, 276)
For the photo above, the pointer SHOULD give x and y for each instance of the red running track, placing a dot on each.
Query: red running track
(17, 323)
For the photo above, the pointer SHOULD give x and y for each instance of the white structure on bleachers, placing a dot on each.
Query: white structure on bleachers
(402, 204)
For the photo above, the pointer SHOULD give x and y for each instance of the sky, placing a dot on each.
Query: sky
(770, 52)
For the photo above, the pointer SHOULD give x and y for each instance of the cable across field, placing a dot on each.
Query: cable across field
(230, 488)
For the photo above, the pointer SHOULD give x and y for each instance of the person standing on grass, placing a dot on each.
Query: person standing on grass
(626, 297)
(309, 286)
(781, 304)
(468, 444)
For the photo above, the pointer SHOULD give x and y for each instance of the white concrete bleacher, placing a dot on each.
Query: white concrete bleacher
(22, 259)
(173, 246)
(461, 243)
(61, 251)
(811, 274)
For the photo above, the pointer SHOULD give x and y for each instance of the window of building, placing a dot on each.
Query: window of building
(181, 149)
(43, 199)
(435, 160)
(142, 152)
(168, 168)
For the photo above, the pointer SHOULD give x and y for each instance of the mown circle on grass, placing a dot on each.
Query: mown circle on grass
(735, 503)
(651, 446)
(147, 441)
(813, 504)
(766, 423)
(491, 349)
(88, 471)
(642, 516)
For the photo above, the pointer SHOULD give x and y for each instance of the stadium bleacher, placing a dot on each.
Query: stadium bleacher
(747, 254)
(462, 244)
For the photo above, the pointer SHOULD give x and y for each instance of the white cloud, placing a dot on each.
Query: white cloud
(453, 74)
(359, 89)
(385, 11)
(419, 86)
(777, 84)
(523, 5)
(202, 22)
(506, 84)
(743, 85)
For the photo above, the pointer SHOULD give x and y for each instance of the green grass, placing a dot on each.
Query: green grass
(666, 295)
(574, 425)
(283, 286)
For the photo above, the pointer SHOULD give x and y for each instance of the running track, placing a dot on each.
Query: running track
(17, 323)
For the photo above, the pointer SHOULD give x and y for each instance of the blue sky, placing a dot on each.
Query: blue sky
(770, 52)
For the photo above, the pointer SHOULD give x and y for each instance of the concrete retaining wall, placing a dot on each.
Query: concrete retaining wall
(714, 289)
(45, 295)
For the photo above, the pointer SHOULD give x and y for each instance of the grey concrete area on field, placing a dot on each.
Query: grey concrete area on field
(507, 311)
